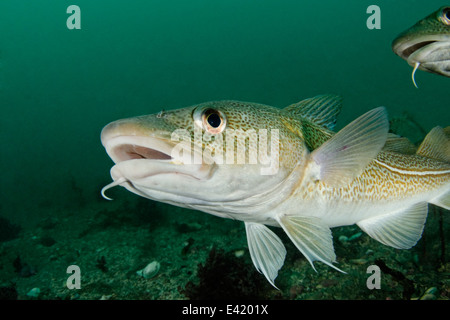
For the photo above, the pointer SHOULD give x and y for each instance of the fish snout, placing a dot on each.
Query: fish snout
(127, 139)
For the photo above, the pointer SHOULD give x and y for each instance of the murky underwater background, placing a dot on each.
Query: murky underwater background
(59, 87)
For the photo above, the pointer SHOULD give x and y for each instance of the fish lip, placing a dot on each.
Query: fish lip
(143, 163)
(124, 140)
(140, 151)
(124, 148)
(404, 46)
(132, 148)
(138, 157)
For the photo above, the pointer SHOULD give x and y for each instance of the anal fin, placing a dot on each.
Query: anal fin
(266, 250)
(401, 229)
(311, 237)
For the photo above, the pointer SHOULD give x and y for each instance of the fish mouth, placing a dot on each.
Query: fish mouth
(147, 161)
(428, 53)
(140, 157)
(132, 151)
(413, 48)
(405, 47)
(126, 148)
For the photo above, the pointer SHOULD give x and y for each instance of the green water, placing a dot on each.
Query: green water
(59, 87)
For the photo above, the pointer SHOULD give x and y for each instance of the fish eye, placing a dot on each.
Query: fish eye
(445, 16)
(211, 120)
(214, 120)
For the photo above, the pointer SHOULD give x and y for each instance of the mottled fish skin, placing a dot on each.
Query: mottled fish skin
(360, 175)
(240, 116)
(426, 45)
(390, 178)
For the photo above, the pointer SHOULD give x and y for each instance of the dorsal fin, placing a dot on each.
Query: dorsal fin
(395, 143)
(322, 109)
(436, 145)
(447, 131)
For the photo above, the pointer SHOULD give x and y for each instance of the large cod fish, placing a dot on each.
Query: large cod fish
(286, 168)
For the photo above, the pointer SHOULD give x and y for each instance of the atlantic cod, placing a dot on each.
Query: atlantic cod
(285, 168)
(426, 45)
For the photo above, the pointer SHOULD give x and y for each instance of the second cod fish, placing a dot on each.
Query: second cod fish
(285, 168)
(426, 45)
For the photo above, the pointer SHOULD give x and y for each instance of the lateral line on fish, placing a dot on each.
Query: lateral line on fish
(411, 172)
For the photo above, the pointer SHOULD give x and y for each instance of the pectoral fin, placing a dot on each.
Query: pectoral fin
(400, 229)
(342, 158)
(311, 237)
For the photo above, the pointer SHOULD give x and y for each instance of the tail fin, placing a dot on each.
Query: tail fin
(436, 145)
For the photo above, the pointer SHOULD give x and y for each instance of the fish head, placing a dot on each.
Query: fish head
(426, 44)
(218, 157)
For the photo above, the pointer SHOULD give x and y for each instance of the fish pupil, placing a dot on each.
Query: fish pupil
(446, 13)
(214, 120)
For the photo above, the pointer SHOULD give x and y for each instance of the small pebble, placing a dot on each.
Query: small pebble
(329, 283)
(358, 261)
(150, 270)
(239, 253)
(34, 293)
(296, 290)
(431, 290)
(355, 236)
(428, 296)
